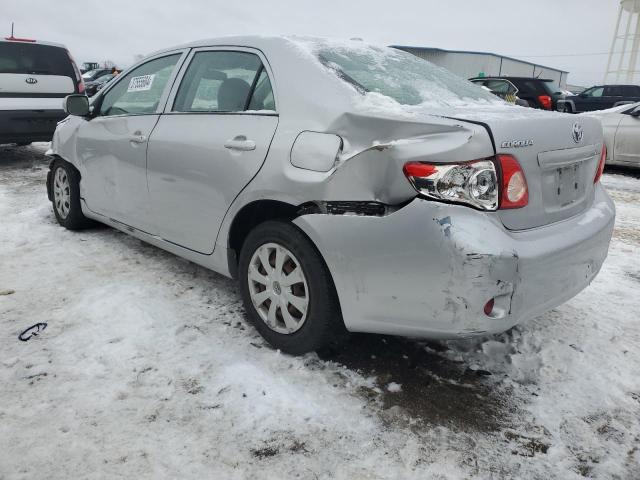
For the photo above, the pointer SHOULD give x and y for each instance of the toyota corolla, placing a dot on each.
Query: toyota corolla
(347, 187)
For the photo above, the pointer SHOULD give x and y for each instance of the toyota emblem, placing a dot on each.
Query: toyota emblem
(577, 133)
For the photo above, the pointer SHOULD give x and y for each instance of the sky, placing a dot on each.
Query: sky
(572, 35)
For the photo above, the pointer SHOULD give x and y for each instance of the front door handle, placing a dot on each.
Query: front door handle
(137, 137)
(240, 143)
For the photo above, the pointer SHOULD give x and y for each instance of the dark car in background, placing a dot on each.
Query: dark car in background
(94, 74)
(601, 97)
(92, 87)
(537, 92)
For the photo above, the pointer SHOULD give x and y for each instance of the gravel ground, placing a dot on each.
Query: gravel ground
(148, 369)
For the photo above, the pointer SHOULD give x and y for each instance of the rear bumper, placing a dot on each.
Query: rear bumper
(17, 126)
(428, 269)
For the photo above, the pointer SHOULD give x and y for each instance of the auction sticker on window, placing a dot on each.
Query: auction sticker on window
(140, 84)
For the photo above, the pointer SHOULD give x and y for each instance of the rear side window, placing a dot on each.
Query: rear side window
(35, 59)
(630, 91)
(223, 82)
(613, 91)
(139, 92)
(531, 87)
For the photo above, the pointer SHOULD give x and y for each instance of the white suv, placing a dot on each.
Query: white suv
(34, 79)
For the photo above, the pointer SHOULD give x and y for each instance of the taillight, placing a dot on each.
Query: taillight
(473, 183)
(603, 159)
(514, 190)
(545, 101)
(77, 73)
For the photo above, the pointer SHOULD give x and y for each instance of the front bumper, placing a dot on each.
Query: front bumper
(428, 269)
(23, 126)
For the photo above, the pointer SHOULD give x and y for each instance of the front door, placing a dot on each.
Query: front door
(112, 145)
(211, 142)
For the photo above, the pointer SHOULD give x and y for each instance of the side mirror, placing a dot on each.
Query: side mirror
(76, 105)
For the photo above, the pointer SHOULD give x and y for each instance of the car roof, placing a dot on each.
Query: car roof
(31, 42)
(254, 41)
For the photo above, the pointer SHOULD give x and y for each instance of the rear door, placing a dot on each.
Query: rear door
(210, 143)
(112, 146)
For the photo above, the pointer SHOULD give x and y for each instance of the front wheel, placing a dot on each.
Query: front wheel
(287, 290)
(65, 189)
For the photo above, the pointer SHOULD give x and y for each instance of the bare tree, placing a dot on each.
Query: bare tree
(108, 63)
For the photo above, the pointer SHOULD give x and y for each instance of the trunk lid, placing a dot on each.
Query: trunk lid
(559, 155)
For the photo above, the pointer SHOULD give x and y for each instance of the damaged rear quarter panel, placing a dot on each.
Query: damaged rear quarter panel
(426, 269)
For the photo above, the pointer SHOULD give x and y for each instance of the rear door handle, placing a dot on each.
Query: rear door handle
(240, 143)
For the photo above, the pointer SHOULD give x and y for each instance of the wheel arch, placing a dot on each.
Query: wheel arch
(57, 158)
(250, 216)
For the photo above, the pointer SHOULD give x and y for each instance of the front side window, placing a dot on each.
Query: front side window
(223, 81)
(594, 92)
(139, 92)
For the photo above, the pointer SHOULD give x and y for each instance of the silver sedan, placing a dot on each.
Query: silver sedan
(621, 134)
(347, 187)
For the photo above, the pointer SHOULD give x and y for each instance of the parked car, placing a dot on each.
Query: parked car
(537, 92)
(93, 86)
(345, 186)
(621, 134)
(601, 97)
(92, 75)
(35, 77)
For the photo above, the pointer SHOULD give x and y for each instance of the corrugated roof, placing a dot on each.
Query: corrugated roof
(442, 50)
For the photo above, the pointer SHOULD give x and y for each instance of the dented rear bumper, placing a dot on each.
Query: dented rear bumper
(429, 268)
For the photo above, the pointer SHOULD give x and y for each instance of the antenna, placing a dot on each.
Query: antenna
(11, 29)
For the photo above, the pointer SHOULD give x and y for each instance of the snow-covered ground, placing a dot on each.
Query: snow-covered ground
(147, 369)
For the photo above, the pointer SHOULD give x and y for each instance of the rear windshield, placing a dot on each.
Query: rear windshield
(34, 59)
(399, 75)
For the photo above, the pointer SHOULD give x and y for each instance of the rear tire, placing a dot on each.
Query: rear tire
(65, 189)
(291, 300)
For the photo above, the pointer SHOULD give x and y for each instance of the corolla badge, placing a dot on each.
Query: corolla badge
(577, 134)
(517, 143)
(31, 80)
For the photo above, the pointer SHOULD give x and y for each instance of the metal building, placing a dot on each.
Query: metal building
(474, 64)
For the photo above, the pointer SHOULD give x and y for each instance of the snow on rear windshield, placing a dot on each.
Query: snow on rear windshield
(398, 75)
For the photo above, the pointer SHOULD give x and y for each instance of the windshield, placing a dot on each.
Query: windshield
(401, 76)
(34, 59)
